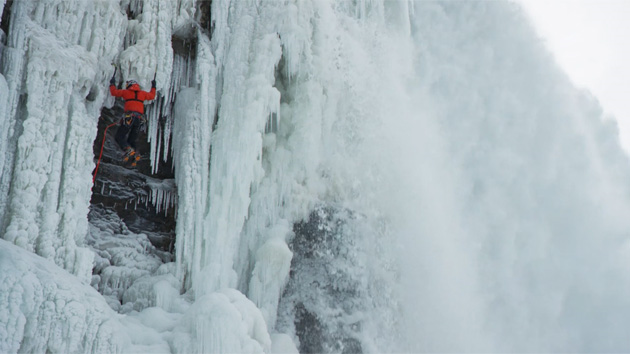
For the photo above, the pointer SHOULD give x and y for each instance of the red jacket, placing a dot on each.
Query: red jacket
(134, 97)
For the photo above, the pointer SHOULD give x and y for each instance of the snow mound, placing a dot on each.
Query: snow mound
(127, 265)
(45, 309)
(222, 322)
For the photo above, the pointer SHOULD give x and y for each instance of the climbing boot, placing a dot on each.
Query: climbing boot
(129, 154)
(134, 159)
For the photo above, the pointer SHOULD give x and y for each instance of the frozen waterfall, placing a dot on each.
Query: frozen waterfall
(340, 176)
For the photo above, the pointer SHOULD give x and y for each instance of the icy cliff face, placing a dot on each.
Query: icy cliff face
(351, 176)
(56, 57)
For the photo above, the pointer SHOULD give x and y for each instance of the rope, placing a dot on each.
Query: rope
(101, 155)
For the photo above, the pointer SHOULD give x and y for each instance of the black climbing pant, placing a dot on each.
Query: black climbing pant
(129, 129)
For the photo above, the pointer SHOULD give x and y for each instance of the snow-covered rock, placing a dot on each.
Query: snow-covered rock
(45, 309)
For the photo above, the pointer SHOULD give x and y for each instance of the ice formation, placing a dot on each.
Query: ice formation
(350, 176)
(56, 58)
(45, 309)
(163, 195)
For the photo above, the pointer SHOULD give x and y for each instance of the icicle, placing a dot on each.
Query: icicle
(160, 195)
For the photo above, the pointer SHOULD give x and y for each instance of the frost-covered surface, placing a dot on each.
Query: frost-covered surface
(222, 322)
(47, 310)
(284, 139)
(351, 176)
(55, 62)
(122, 259)
(4, 132)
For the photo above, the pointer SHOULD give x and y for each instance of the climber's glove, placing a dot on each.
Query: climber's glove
(112, 82)
(152, 83)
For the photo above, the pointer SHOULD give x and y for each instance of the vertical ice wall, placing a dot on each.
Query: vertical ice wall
(193, 120)
(247, 97)
(4, 111)
(296, 91)
(4, 137)
(55, 62)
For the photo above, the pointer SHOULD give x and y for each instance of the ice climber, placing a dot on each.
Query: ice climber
(133, 117)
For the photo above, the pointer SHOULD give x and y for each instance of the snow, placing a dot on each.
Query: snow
(127, 265)
(45, 309)
(222, 322)
(368, 176)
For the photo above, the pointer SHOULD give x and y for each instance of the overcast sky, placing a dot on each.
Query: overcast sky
(591, 41)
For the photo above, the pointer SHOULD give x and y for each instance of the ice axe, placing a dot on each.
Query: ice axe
(113, 80)
(154, 75)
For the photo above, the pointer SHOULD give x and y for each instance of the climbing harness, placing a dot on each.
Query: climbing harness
(127, 118)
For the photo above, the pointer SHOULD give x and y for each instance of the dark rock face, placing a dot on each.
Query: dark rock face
(6, 17)
(323, 297)
(128, 191)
